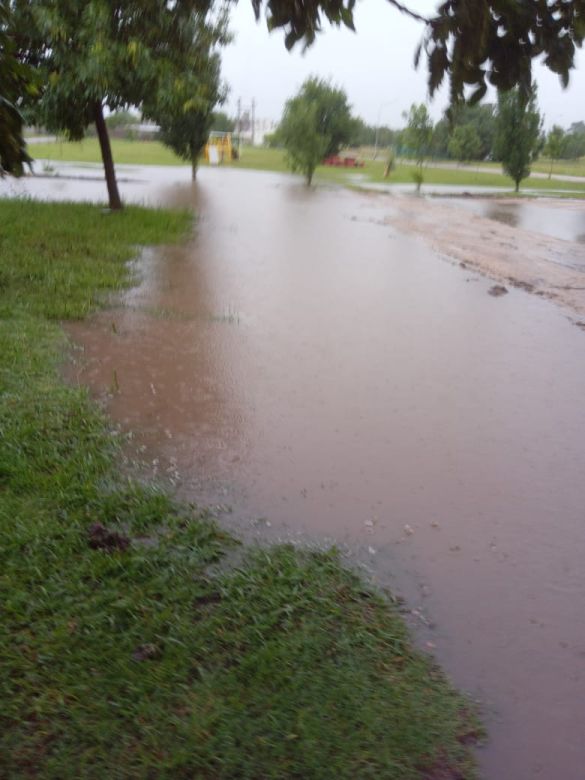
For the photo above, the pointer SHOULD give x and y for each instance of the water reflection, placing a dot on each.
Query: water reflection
(507, 215)
(565, 220)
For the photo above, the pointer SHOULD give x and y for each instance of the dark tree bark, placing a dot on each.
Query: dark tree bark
(109, 170)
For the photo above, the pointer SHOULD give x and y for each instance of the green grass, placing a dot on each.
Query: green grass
(258, 158)
(124, 151)
(129, 657)
(562, 167)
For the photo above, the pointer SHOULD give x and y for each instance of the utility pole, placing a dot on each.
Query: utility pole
(238, 126)
(253, 119)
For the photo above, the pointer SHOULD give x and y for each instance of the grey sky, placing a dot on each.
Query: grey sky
(374, 66)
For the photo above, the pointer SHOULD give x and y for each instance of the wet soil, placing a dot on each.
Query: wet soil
(310, 360)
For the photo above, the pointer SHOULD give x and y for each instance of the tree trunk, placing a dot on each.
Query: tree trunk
(194, 167)
(551, 166)
(518, 186)
(108, 160)
(310, 176)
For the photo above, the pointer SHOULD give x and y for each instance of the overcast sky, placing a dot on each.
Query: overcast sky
(373, 65)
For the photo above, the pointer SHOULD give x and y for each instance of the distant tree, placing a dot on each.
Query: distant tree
(361, 133)
(305, 144)
(386, 136)
(333, 111)
(185, 125)
(417, 137)
(440, 141)
(518, 136)
(315, 124)
(222, 123)
(465, 144)
(274, 140)
(419, 132)
(120, 119)
(574, 146)
(185, 98)
(483, 120)
(554, 146)
(105, 54)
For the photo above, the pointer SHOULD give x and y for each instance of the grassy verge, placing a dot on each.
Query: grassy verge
(122, 655)
(258, 158)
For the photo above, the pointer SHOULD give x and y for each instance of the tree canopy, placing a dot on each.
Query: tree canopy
(554, 146)
(107, 53)
(315, 124)
(222, 123)
(465, 143)
(16, 80)
(187, 90)
(472, 42)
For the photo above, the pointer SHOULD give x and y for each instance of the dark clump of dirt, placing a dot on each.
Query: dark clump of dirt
(147, 652)
(102, 538)
(526, 286)
(497, 290)
(208, 599)
(580, 324)
(443, 770)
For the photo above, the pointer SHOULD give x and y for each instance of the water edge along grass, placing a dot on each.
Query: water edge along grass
(122, 652)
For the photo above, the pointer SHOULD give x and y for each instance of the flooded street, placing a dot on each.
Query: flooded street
(309, 359)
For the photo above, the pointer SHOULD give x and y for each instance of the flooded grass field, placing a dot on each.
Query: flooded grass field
(310, 360)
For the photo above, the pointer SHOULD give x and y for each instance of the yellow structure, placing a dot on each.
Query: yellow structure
(222, 142)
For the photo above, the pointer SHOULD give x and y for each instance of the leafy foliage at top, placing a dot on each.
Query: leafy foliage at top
(106, 52)
(15, 80)
(472, 42)
(481, 42)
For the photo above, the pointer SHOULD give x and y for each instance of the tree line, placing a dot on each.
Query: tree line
(66, 63)
(317, 122)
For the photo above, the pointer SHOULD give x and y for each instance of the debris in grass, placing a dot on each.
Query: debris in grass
(146, 652)
(102, 538)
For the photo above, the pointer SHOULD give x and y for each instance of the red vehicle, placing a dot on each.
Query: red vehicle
(343, 162)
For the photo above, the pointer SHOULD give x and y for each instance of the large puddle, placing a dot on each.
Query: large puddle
(565, 220)
(329, 376)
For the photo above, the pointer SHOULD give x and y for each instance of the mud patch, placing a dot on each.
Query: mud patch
(101, 538)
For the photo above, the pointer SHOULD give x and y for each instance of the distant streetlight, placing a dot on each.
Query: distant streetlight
(385, 103)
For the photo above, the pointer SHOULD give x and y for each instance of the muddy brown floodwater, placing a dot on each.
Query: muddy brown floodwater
(311, 361)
